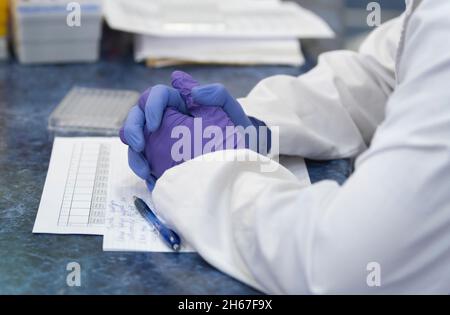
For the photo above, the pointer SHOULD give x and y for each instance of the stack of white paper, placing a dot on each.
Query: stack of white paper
(159, 51)
(213, 31)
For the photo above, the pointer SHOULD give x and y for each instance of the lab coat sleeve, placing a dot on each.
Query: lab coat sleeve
(331, 111)
(390, 219)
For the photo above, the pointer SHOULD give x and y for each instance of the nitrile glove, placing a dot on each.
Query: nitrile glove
(150, 147)
(148, 127)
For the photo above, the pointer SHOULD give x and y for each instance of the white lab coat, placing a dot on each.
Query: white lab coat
(388, 104)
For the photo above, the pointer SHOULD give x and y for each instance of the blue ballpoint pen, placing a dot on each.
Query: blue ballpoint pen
(169, 236)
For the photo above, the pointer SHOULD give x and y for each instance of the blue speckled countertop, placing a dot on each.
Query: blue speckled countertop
(36, 263)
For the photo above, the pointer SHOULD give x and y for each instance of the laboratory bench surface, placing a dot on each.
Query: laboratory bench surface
(36, 263)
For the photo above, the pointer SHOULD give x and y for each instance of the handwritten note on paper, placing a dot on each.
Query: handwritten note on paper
(125, 228)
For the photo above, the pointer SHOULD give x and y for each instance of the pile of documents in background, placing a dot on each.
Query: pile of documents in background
(3, 29)
(171, 32)
(46, 31)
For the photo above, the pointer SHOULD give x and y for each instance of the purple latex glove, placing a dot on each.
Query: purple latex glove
(157, 143)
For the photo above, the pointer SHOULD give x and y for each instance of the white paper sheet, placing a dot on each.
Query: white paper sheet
(216, 19)
(75, 192)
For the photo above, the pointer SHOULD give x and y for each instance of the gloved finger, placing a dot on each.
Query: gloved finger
(151, 183)
(143, 99)
(159, 98)
(217, 95)
(138, 164)
(132, 133)
(184, 83)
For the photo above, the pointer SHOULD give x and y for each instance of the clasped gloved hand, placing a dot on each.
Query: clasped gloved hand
(149, 126)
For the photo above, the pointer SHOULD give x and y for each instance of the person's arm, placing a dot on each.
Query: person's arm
(332, 110)
(270, 232)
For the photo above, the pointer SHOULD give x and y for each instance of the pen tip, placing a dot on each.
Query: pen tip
(176, 247)
(135, 198)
